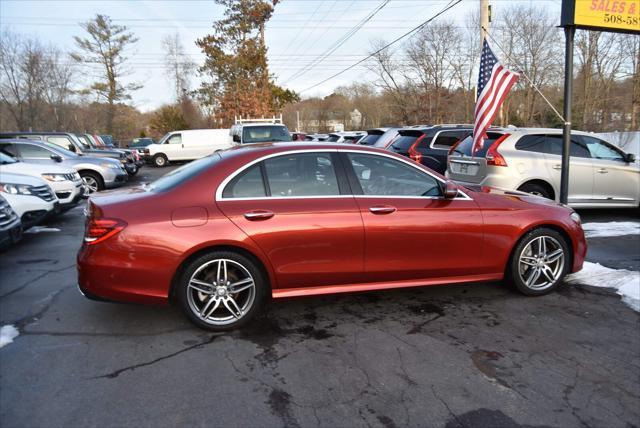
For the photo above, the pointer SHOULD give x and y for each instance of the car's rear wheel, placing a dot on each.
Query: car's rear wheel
(160, 160)
(539, 262)
(221, 290)
(92, 180)
(537, 189)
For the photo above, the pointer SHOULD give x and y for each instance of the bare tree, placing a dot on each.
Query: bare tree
(105, 46)
(59, 84)
(22, 79)
(178, 66)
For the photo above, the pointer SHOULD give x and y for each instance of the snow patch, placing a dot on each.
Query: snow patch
(612, 228)
(625, 282)
(40, 229)
(7, 334)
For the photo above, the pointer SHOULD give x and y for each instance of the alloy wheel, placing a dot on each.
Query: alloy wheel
(91, 183)
(541, 263)
(221, 292)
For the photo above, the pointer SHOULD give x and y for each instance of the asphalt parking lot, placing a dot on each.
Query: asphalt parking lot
(455, 356)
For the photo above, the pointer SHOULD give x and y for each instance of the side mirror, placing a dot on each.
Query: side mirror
(629, 157)
(56, 158)
(236, 138)
(450, 190)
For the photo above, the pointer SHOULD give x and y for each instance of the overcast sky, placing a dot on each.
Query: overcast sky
(297, 34)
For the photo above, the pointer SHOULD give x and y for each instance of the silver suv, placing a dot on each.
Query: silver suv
(601, 175)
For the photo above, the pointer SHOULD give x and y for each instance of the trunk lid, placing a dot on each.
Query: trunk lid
(463, 165)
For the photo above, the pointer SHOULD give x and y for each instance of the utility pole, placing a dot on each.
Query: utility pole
(297, 120)
(484, 20)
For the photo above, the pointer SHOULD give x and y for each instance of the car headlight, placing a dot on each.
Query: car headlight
(54, 177)
(15, 189)
(110, 165)
(575, 217)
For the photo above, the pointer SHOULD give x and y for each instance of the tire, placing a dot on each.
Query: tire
(532, 274)
(160, 160)
(93, 181)
(207, 305)
(536, 189)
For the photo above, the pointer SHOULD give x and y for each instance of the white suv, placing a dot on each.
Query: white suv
(65, 182)
(31, 198)
(601, 175)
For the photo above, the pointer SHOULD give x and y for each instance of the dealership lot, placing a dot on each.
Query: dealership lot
(453, 356)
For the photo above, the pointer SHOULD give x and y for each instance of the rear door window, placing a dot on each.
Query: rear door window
(308, 174)
(532, 143)
(577, 149)
(247, 184)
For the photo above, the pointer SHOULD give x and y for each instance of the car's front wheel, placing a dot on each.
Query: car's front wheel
(539, 262)
(160, 160)
(92, 180)
(221, 290)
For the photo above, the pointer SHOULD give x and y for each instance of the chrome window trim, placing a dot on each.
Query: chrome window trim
(223, 184)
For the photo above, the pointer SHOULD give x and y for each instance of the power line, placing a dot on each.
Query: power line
(339, 42)
(449, 6)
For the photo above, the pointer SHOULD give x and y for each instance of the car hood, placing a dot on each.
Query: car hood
(92, 160)
(104, 153)
(9, 177)
(36, 169)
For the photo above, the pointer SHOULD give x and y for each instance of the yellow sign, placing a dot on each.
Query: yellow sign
(622, 15)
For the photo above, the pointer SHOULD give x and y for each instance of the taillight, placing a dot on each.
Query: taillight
(101, 229)
(493, 157)
(413, 152)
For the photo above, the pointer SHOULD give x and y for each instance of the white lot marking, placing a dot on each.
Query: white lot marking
(7, 334)
(612, 228)
(625, 282)
(40, 229)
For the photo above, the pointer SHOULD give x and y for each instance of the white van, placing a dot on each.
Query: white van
(187, 145)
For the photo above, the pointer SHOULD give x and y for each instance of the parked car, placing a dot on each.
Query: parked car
(65, 182)
(138, 144)
(10, 225)
(31, 198)
(187, 145)
(221, 234)
(372, 136)
(298, 136)
(600, 175)
(75, 143)
(317, 137)
(386, 138)
(429, 145)
(134, 161)
(96, 173)
(108, 141)
(346, 137)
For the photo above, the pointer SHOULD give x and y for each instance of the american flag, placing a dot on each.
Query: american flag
(494, 83)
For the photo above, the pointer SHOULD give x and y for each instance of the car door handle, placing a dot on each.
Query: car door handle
(558, 167)
(382, 209)
(603, 170)
(258, 215)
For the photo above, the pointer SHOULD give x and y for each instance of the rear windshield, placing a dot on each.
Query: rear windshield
(404, 142)
(265, 134)
(333, 138)
(464, 148)
(370, 139)
(184, 173)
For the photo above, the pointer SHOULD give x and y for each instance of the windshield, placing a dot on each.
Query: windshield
(184, 173)
(404, 142)
(265, 134)
(60, 150)
(5, 159)
(82, 141)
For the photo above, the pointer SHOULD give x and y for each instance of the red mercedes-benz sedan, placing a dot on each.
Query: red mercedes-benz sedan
(221, 234)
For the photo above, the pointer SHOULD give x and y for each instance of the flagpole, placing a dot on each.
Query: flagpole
(569, 32)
